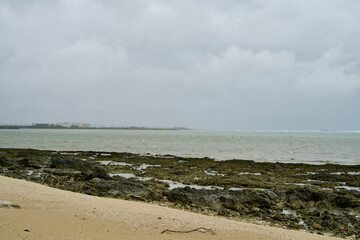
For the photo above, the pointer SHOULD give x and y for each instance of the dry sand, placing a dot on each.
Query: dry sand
(49, 213)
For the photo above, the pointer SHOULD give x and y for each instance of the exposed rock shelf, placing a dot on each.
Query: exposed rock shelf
(318, 198)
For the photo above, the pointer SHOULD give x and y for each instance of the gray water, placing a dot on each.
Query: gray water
(265, 146)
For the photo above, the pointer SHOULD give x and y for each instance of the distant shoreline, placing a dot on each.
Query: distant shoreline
(94, 128)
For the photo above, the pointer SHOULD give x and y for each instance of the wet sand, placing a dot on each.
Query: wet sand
(49, 213)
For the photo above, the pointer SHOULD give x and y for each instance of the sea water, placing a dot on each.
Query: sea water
(316, 147)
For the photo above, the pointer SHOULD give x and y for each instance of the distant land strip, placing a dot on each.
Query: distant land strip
(94, 128)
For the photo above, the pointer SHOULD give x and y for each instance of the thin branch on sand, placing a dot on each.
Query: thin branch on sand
(200, 229)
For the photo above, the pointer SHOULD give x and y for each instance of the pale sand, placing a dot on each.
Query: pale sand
(50, 213)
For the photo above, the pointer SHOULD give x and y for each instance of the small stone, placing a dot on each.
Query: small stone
(96, 180)
(7, 204)
(317, 226)
(255, 209)
(136, 197)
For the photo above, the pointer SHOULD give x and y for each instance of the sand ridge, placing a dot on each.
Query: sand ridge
(49, 213)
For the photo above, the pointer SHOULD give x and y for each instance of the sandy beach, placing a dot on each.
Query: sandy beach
(48, 213)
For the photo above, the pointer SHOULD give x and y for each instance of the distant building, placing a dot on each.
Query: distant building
(73, 125)
(61, 125)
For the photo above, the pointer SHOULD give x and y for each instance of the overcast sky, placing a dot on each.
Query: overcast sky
(250, 64)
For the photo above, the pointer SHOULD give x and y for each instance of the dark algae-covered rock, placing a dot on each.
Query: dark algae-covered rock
(89, 169)
(317, 198)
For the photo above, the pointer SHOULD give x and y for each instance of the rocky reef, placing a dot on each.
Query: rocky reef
(323, 199)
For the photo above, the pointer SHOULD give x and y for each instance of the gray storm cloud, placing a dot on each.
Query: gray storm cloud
(200, 64)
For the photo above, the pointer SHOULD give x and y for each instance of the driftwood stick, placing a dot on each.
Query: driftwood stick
(200, 229)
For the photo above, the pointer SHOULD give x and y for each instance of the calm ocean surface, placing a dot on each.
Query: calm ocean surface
(270, 146)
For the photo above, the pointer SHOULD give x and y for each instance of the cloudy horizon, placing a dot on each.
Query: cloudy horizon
(230, 65)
